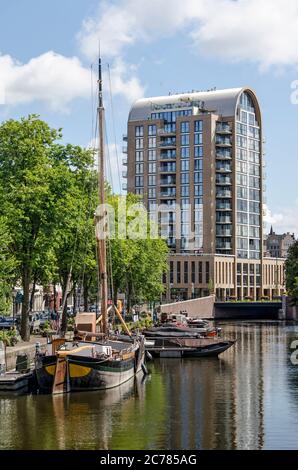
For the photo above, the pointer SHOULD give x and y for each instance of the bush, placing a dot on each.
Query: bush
(9, 337)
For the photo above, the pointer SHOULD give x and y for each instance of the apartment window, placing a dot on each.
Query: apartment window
(207, 272)
(198, 177)
(200, 272)
(198, 126)
(184, 165)
(198, 190)
(152, 142)
(198, 152)
(198, 165)
(139, 131)
(184, 152)
(139, 143)
(178, 272)
(139, 156)
(198, 139)
(171, 272)
(185, 272)
(193, 272)
(184, 139)
(184, 127)
(151, 167)
(139, 168)
(184, 191)
(140, 191)
(152, 129)
(184, 178)
(151, 154)
(151, 192)
(139, 181)
(151, 180)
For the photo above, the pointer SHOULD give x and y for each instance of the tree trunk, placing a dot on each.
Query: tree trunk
(32, 294)
(64, 312)
(75, 299)
(86, 293)
(25, 327)
(55, 298)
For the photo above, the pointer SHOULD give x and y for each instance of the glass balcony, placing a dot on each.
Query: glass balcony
(223, 246)
(167, 168)
(223, 181)
(223, 207)
(222, 155)
(169, 192)
(168, 180)
(224, 194)
(124, 161)
(223, 142)
(124, 186)
(168, 143)
(223, 128)
(124, 149)
(124, 174)
(223, 233)
(165, 132)
(167, 156)
(223, 168)
(124, 137)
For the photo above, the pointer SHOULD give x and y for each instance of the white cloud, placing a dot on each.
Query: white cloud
(283, 221)
(50, 78)
(57, 80)
(262, 31)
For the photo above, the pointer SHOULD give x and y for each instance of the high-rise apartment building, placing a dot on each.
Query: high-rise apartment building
(196, 160)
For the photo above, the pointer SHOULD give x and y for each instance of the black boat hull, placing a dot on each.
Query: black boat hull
(212, 350)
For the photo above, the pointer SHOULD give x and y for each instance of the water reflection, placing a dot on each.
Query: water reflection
(248, 399)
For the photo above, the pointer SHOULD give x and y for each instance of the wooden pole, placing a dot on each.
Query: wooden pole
(122, 321)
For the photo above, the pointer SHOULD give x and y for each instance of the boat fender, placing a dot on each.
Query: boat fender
(149, 356)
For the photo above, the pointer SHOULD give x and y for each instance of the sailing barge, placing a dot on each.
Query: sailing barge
(86, 365)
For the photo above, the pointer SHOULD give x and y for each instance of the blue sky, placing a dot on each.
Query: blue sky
(153, 47)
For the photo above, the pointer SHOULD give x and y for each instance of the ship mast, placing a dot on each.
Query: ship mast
(101, 242)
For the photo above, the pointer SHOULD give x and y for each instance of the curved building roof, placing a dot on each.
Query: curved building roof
(220, 101)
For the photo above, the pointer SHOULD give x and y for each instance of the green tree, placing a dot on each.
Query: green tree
(38, 189)
(7, 267)
(292, 272)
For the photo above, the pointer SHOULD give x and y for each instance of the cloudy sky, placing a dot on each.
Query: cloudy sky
(153, 47)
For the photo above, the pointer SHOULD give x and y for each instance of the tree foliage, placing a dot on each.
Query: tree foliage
(292, 272)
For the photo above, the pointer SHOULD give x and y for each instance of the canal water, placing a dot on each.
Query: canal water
(246, 399)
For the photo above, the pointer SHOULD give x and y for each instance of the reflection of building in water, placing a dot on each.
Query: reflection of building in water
(219, 404)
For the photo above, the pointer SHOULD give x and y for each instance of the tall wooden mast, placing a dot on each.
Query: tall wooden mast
(101, 242)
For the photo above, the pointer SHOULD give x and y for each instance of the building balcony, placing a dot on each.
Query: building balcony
(167, 144)
(224, 194)
(168, 182)
(171, 192)
(124, 137)
(223, 182)
(165, 132)
(224, 233)
(225, 157)
(224, 246)
(223, 169)
(223, 129)
(223, 208)
(223, 143)
(124, 161)
(164, 156)
(167, 169)
(124, 149)
(124, 186)
(124, 174)
(224, 220)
